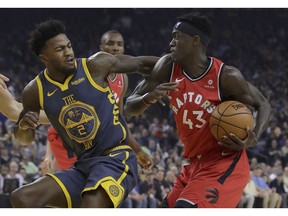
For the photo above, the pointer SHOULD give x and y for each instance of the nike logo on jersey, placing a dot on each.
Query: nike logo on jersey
(179, 80)
(51, 93)
(113, 155)
(226, 153)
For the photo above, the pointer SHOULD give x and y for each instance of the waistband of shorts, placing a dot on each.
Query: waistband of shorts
(121, 147)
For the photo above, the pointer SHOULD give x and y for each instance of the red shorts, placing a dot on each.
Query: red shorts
(212, 180)
(59, 151)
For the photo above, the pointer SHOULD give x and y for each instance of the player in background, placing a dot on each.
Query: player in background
(195, 83)
(111, 42)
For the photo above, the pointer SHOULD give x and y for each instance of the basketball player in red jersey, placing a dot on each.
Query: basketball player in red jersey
(111, 42)
(195, 84)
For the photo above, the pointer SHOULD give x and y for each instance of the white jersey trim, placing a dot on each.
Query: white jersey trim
(200, 77)
(186, 201)
(218, 80)
(172, 72)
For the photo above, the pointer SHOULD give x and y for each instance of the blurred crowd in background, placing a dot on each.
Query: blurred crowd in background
(253, 40)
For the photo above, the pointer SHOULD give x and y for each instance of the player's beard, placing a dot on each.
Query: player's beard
(69, 71)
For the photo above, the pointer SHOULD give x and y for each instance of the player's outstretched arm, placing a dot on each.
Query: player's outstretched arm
(103, 64)
(152, 89)
(9, 106)
(12, 108)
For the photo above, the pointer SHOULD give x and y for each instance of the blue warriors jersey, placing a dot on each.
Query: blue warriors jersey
(83, 113)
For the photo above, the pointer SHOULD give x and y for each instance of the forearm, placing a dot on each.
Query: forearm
(135, 105)
(49, 153)
(262, 119)
(133, 143)
(147, 63)
(11, 108)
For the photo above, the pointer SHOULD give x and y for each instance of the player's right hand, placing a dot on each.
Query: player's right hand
(29, 120)
(159, 92)
(3, 79)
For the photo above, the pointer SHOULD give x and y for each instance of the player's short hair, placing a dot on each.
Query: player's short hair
(199, 21)
(43, 32)
(109, 32)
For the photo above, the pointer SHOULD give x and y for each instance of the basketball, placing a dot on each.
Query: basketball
(230, 117)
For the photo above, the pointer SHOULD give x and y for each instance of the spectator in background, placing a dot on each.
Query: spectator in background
(285, 179)
(264, 189)
(274, 152)
(284, 152)
(278, 186)
(4, 171)
(14, 173)
(5, 156)
(30, 168)
(250, 193)
(147, 189)
(135, 200)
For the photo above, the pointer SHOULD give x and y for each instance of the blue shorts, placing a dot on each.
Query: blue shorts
(115, 171)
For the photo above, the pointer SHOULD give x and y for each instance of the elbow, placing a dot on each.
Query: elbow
(268, 108)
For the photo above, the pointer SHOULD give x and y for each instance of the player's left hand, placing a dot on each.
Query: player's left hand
(29, 120)
(233, 142)
(145, 161)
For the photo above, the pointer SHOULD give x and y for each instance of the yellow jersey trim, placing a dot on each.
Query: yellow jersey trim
(106, 183)
(108, 151)
(112, 187)
(40, 91)
(62, 186)
(86, 70)
(63, 86)
(124, 174)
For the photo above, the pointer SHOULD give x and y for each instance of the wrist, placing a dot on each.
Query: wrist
(145, 102)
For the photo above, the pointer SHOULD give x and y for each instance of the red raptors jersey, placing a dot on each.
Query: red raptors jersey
(59, 151)
(192, 106)
(117, 86)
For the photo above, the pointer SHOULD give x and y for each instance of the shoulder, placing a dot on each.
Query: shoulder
(31, 87)
(98, 56)
(30, 92)
(100, 60)
(162, 69)
(165, 60)
(231, 73)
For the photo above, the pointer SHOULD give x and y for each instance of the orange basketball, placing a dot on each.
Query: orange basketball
(231, 117)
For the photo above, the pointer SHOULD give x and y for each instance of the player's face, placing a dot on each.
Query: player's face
(58, 55)
(180, 46)
(113, 43)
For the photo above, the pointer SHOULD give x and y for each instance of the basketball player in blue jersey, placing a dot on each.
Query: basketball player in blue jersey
(76, 98)
(111, 42)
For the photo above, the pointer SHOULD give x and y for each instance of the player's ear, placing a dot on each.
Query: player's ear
(100, 48)
(196, 40)
(43, 58)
